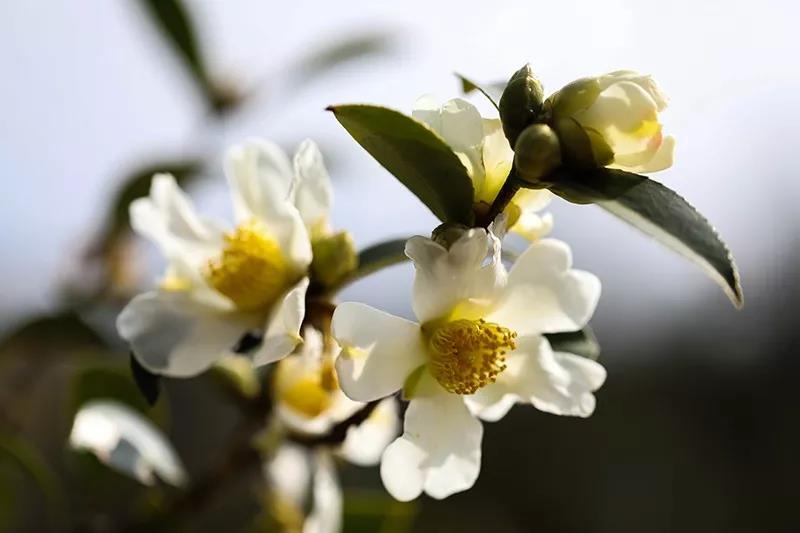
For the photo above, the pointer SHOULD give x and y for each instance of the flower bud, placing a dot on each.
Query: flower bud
(618, 116)
(448, 233)
(537, 152)
(521, 103)
(334, 257)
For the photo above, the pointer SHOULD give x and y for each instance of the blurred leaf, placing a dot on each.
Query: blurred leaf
(64, 331)
(492, 91)
(658, 212)
(27, 459)
(149, 384)
(175, 24)
(137, 185)
(334, 54)
(415, 155)
(92, 382)
(369, 511)
(582, 343)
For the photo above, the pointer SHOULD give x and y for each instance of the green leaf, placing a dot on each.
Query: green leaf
(16, 452)
(110, 382)
(172, 19)
(658, 212)
(415, 155)
(582, 343)
(334, 54)
(149, 384)
(492, 91)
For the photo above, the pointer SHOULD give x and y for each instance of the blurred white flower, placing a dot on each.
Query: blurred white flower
(221, 283)
(478, 349)
(485, 152)
(622, 110)
(126, 441)
(309, 402)
(293, 472)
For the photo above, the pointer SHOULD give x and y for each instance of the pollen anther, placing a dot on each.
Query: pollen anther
(466, 355)
(251, 270)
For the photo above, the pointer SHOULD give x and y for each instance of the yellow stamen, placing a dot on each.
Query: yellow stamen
(466, 355)
(251, 270)
(312, 392)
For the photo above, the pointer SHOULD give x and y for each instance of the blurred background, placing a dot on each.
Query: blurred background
(697, 426)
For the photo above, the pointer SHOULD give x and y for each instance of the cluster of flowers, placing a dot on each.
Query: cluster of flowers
(478, 345)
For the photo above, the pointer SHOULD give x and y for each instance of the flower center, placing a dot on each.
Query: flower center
(251, 270)
(466, 355)
(312, 393)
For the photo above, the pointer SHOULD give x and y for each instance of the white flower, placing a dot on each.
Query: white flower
(485, 152)
(221, 283)
(478, 349)
(622, 109)
(292, 472)
(127, 442)
(309, 401)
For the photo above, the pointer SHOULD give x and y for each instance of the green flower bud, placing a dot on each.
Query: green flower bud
(334, 257)
(521, 103)
(537, 152)
(582, 147)
(448, 233)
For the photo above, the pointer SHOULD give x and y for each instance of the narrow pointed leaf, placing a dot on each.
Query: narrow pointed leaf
(492, 91)
(582, 343)
(415, 155)
(658, 212)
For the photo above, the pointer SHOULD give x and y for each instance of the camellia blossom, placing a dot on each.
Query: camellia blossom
(622, 109)
(484, 150)
(224, 282)
(309, 402)
(477, 349)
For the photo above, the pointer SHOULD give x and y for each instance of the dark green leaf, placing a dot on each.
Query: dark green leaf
(175, 24)
(660, 213)
(149, 384)
(27, 459)
(582, 343)
(415, 155)
(492, 91)
(111, 382)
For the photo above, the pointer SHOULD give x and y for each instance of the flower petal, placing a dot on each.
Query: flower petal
(365, 443)
(260, 178)
(126, 441)
(378, 353)
(313, 193)
(654, 162)
(174, 335)
(326, 509)
(282, 333)
(563, 383)
(544, 294)
(289, 471)
(168, 218)
(439, 452)
(447, 278)
(514, 384)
